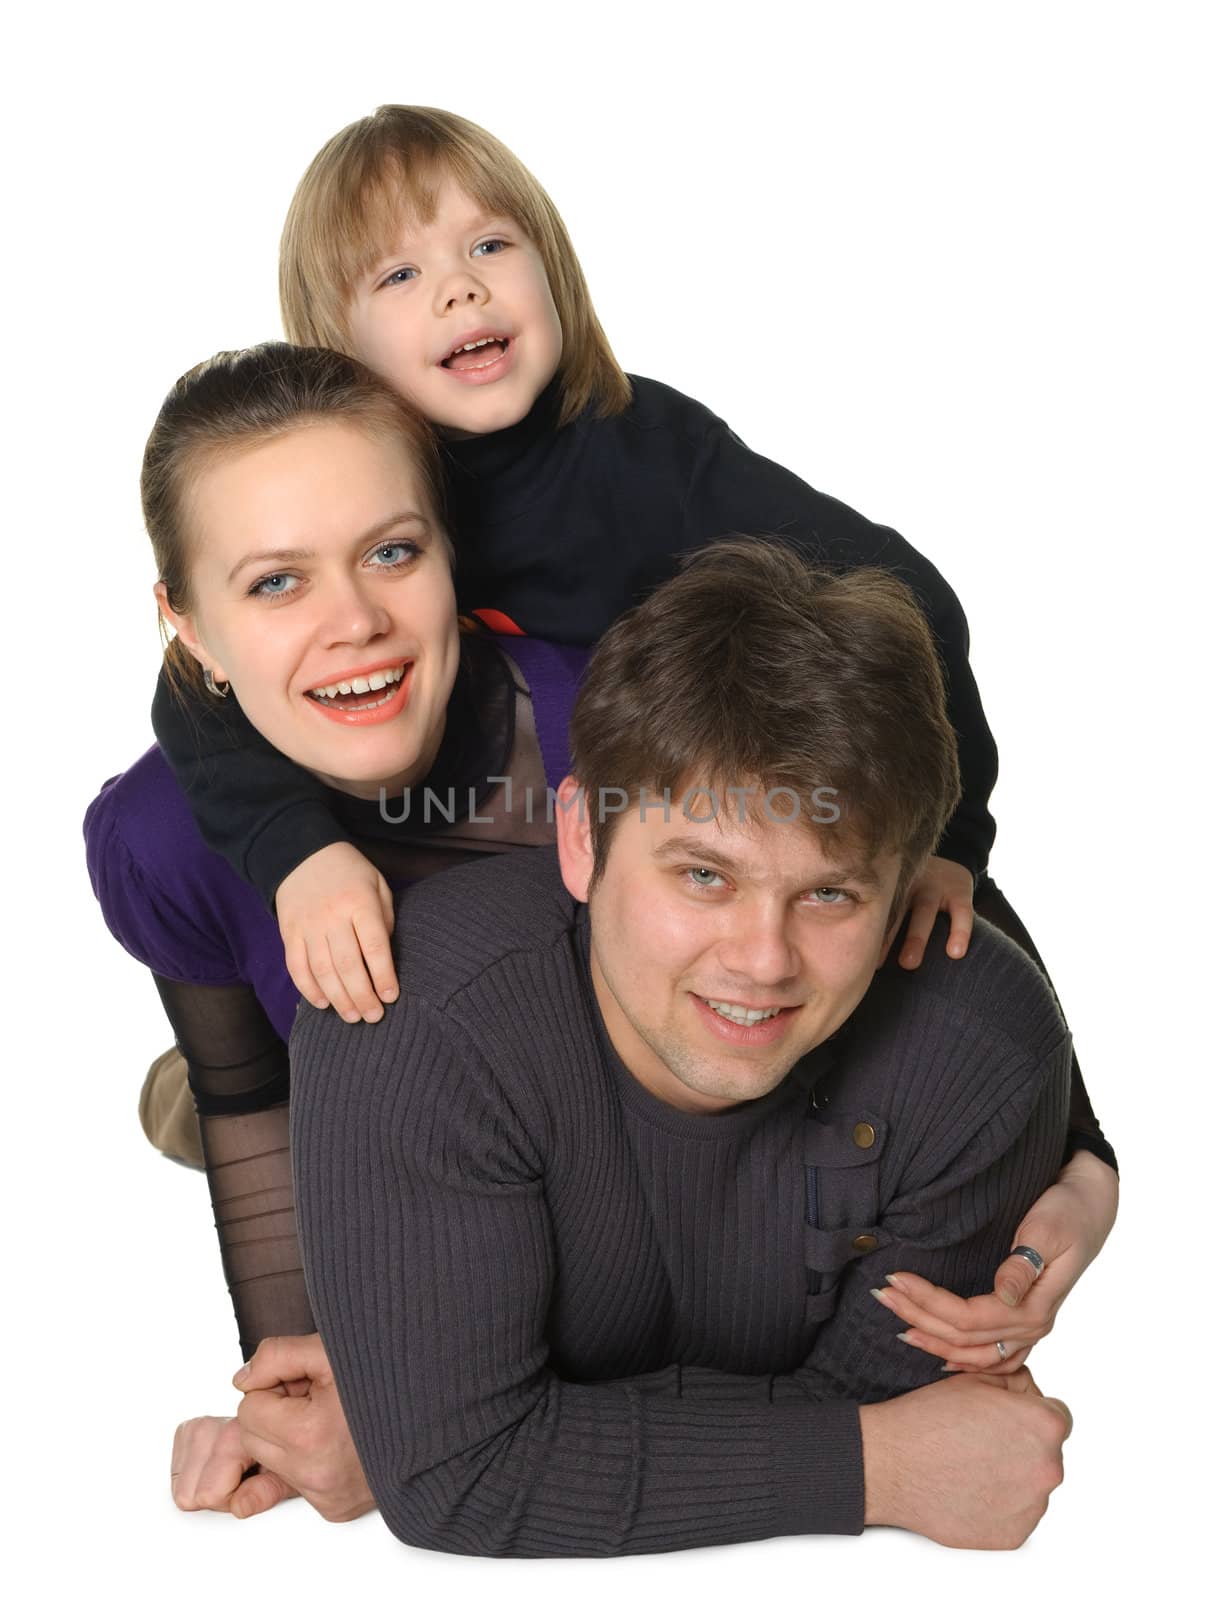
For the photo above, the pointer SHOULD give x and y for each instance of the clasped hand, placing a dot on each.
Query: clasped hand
(288, 1438)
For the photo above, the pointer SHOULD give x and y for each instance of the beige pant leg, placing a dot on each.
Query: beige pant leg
(167, 1113)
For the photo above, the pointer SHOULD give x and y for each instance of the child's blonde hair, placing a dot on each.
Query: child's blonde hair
(375, 173)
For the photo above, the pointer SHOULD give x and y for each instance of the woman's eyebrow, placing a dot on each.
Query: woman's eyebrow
(395, 520)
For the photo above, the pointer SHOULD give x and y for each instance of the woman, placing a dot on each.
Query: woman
(293, 507)
(293, 503)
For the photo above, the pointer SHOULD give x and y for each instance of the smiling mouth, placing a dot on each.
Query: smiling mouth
(479, 353)
(361, 694)
(745, 1016)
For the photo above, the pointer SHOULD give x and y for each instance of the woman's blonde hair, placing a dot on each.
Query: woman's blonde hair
(373, 175)
(242, 398)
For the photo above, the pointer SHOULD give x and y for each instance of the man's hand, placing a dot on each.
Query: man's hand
(291, 1421)
(1067, 1225)
(942, 886)
(969, 1462)
(208, 1466)
(336, 912)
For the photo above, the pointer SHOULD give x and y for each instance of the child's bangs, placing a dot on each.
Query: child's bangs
(399, 195)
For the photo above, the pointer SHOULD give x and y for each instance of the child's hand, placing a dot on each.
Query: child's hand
(336, 912)
(942, 886)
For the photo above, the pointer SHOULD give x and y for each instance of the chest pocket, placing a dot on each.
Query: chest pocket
(842, 1205)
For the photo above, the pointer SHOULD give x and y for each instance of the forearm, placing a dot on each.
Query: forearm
(613, 1469)
(239, 1074)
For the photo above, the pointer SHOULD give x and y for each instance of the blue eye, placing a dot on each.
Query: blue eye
(490, 247)
(704, 877)
(397, 553)
(841, 895)
(400, 275)
(277, 583)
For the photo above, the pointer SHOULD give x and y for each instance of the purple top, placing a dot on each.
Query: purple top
(181, 910)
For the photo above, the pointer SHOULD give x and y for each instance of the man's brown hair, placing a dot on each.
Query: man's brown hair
(752, 668)
(377, 175)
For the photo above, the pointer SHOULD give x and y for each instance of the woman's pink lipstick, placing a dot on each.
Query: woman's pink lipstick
(353, 716)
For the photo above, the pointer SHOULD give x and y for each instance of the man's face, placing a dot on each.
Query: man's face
(463, 278)
(722, 952)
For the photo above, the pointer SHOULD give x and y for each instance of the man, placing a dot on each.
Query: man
(595, 1219)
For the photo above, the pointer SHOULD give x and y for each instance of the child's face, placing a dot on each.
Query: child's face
(462, 278)
(316, 561)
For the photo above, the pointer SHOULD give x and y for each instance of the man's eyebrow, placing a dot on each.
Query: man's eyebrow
(683, 844)
(837, 873)
(397, 519)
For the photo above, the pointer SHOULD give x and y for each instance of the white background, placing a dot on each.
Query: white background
(945, 261)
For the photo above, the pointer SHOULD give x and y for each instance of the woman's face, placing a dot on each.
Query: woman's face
(316, 563)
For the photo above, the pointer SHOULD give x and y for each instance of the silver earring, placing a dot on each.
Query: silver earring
(219, 690)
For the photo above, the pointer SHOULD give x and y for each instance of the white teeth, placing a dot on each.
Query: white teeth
(477, 345)
(744, 1015)
(376, 680)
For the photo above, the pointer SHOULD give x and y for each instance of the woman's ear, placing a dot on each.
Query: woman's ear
(574, 838)
(182, 625)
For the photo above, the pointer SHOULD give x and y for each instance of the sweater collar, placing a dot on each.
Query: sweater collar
(511, 457)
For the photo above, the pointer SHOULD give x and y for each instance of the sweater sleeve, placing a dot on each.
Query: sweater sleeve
(430, 1262)
(258, 809)
(733, 490)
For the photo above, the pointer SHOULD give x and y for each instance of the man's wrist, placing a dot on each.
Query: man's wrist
(880, 1464)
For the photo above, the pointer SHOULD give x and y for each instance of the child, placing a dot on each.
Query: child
(420, 244)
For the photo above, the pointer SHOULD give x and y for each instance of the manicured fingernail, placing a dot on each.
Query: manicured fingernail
(949, 1366)
(890, 1277)
(240, 1375)
(907, 1338)
(391, 994)
(1008, 1297)
(880, 1297)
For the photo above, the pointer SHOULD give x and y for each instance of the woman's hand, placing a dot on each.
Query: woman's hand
(941, 886)
(210, 1467)
(1068, 1224)
(336, 913)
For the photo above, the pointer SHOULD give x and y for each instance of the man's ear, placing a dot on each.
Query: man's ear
(182, 625)
(574, 838)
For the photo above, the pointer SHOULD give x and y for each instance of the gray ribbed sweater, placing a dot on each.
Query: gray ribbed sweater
(564, 1317)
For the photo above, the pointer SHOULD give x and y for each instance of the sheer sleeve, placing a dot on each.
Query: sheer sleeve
(240, 1077)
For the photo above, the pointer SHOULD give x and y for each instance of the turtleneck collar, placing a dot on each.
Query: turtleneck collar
(512, 456)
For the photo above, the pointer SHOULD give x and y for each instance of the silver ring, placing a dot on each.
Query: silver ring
(1027, 1254)
(1002, 1352)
